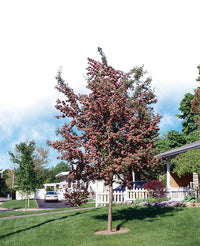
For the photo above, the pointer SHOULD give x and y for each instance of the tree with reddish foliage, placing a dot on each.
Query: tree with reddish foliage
(195, 103)
(196, 106)
(77, 195)
(111, 129)
(157, 187)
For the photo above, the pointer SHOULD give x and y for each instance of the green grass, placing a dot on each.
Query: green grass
(14, 204)
(152, 226)
(18, 204)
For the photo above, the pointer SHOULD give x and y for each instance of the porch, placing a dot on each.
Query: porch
(179, 187)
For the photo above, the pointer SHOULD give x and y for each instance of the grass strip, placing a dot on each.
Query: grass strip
(18, 204)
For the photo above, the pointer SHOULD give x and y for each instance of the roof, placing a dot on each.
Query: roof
(172, 153)
(62, 174)
(51, 184)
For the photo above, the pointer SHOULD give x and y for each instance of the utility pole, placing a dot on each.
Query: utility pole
(13, 182)
(1, 173)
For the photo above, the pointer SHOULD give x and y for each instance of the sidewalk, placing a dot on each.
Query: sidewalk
(38, 214)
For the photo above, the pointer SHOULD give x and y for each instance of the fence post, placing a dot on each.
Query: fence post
(126, 195)
(96, 199)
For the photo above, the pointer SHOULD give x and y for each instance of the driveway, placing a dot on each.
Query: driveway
(60, 204)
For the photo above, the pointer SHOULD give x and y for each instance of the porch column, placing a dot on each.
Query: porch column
(133, 176)
(168, 173)
(195, 180)
(196, 184)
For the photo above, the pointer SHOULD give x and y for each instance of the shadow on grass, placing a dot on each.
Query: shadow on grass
(138, 213)
(43, 223)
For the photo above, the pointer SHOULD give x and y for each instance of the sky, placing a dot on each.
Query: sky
(39, 37)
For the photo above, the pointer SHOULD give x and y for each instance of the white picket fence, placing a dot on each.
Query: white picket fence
(177, 194)
(128, 196)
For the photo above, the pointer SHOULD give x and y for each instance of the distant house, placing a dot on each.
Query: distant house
(66, 182)
(93, 187)
(178, 187)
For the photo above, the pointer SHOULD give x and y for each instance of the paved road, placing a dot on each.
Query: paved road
(60, 204)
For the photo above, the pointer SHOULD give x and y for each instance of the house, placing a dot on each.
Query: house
(178, 186)
(93, 187)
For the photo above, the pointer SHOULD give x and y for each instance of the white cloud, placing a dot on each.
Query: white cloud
(40, 36)
(169, 122)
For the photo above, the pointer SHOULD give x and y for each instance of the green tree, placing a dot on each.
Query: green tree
(60, 167)
(3, 185)
(41, 161)
(187, 114)
(172, 139)
(10, 179)
(192, 137)
(187, 162)
(25, 171)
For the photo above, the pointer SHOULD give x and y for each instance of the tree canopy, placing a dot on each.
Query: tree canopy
(25, 171)
(29, 158)
(187, 114)
(111, 129)
(174, 139)
(187, 162)
(53, 171)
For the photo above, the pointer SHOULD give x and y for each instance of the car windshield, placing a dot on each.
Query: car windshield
(51, 193)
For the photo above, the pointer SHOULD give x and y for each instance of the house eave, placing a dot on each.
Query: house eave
(62, 174)
(172, 153)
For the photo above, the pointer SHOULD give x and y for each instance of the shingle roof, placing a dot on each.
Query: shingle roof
(172, 153)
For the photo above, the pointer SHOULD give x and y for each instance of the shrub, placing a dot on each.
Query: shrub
(169, 204)
(157, 187)
(49, 188)
(190, 199)
(77, 195)
(146, 200)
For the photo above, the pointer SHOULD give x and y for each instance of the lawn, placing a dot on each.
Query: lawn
(18, 204)
(150, 226)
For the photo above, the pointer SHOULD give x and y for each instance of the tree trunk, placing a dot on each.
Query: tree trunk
(110, 208)
(26, 201)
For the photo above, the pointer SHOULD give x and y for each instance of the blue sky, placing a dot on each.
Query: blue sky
(37, 37)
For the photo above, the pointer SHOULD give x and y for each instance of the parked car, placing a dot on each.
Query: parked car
(134, 185)
(51, 196)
